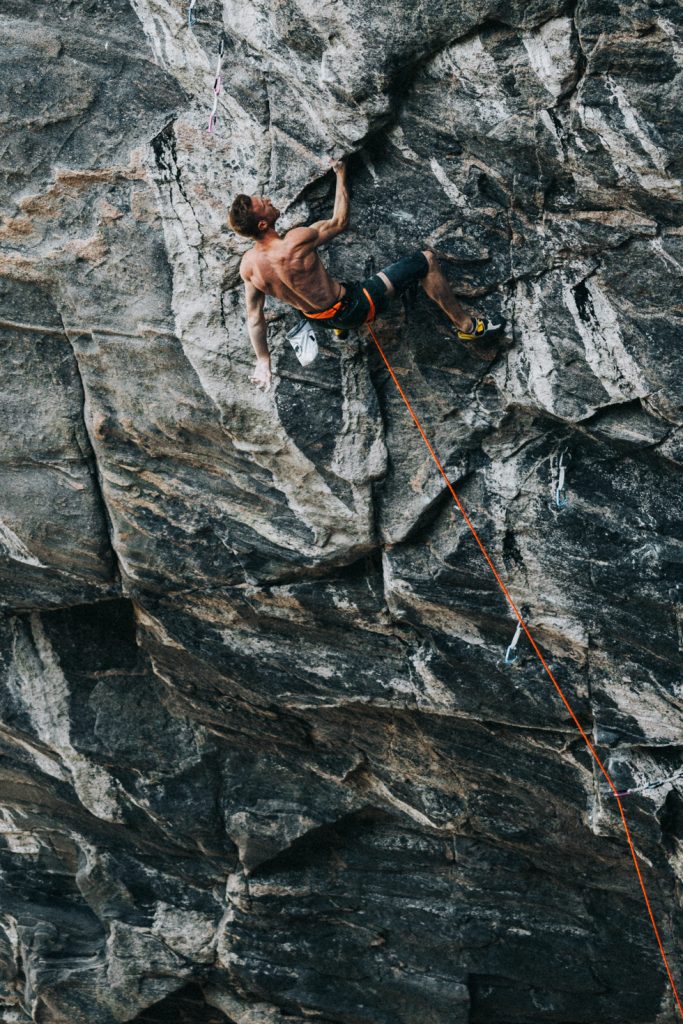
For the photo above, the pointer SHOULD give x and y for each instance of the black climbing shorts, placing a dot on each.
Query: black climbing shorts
(364, 300)
(406, 271)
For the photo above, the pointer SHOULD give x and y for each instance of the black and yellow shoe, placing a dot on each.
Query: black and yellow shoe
(341, 332)
(482, 328)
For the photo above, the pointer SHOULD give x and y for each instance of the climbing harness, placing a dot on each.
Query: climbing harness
(217, 86)
(190, 14)
(650, 785)
(561, 499)
(523, 626)
(326, 314)
(511, 653)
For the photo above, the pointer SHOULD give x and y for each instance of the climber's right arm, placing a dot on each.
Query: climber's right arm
(328, 229)
(256, 325)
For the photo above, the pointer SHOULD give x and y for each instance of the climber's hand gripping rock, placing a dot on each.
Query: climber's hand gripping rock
(262, 375)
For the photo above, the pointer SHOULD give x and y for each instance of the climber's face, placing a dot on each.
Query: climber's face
(265, 211)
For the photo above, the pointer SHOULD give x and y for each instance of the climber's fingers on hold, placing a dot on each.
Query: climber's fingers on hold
(261, 383)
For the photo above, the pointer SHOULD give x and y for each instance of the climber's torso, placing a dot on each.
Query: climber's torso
(290, 269)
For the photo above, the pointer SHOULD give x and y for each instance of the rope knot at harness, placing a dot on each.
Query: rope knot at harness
(523, 628)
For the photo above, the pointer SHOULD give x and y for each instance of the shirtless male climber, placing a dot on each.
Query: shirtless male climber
(290, 269)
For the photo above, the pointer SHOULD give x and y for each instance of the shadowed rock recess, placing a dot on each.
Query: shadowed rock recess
(262, 759)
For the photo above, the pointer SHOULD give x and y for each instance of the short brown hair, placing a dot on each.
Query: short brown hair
(242, 218)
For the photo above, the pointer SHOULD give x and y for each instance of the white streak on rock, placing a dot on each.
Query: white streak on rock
(643, 701)
(435, 696)
(235, 1009)
(156, 628)
(174, 46)
(612, 140)
(538, 355)
(397, 138)
(371, 167)
(18, 839)
(451, 190)
(673, 33)
(478, 75)
(37, 680)
(633, 123)
(381, 790)
(628, 160)
(549, 52)
(606, 354)
(48, 765)
(657, 247)
(15, 548)
(549, 124)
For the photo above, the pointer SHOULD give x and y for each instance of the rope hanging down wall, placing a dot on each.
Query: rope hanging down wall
(523, 626)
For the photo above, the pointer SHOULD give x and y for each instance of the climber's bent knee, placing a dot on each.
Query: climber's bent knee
(387, 282)
(432, 261)
(406, 271)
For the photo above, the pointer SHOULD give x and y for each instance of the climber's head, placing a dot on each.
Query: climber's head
(252, 215)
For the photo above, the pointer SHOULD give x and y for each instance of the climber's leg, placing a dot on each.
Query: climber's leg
(439, 291)
(409, 270)
(423, 268)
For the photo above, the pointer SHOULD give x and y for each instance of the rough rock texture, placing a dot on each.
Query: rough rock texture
(262, 759)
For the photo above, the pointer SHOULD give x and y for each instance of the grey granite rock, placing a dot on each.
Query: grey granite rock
(263, 759)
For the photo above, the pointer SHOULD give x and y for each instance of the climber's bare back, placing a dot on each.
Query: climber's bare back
(290, 269)
(287, 268)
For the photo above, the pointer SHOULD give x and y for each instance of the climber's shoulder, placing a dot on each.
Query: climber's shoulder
(247, 266)
(300, 237)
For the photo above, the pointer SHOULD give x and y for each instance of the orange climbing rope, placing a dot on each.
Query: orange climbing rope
(544, 663)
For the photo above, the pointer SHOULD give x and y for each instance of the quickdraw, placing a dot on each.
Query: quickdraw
(190, 14)
(217, 87)
(511, 653)
(650, 785)
(561, 499)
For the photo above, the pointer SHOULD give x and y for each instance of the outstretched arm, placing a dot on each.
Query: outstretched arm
(327, 229)
(256, 325)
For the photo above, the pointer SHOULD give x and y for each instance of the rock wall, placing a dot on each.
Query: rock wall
(262, 757)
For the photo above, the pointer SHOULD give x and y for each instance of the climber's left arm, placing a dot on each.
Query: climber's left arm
(258, 335)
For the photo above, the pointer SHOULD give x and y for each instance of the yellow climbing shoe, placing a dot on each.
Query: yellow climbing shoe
(482, 328)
